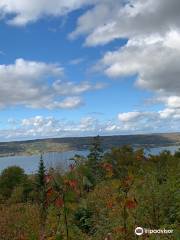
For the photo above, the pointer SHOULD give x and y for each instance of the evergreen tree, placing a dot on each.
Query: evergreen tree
(95, 158)
(41, 175)
(41, 188)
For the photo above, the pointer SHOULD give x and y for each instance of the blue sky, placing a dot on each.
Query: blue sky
(76, 69)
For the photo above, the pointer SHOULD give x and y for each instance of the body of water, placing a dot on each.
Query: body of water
(30, 163)
(61, 160)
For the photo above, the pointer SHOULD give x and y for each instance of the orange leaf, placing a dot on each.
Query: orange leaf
(49, 192)
(73, 183)
(59, 202)
(131, 204)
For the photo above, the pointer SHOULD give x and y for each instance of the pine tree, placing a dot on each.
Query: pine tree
(41, 174)
(94, 159)
(41, 188)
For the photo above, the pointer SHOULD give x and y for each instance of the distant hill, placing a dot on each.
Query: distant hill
(78, 143)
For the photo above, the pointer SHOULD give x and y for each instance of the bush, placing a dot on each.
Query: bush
(10, 178)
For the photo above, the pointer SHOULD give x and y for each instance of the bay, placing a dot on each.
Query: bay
(60, 159)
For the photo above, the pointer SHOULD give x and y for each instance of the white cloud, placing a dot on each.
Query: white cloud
(133, 122)
(125, 123)
(110, 20)
(25, 83)
(68, 88)
(170, 114)
(26, 11)
(76, 61)
(153, 49)
(69, 102)
(145, 122)
(40, 127)
(152, 54)
(173, 101)
(36, 85)
(129, 116)
(155, 62)
(101, 14)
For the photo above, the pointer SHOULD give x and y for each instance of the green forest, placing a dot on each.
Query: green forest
(103, 196)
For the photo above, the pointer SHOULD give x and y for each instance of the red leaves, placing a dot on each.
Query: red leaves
(49, 192)
(72, 183)
(107, 166)
(110, 204)
(130, 204)
(59, 202)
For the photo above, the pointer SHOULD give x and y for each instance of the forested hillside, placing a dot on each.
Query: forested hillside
(78, 143)
(102, 197)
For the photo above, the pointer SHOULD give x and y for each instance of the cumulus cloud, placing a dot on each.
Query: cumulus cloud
(69, 102)
(125, 123)
(151, 27)
(21, 12)
(130, 116)
(153, 48)
(145, 122)
(139, 121)
(151, 54)
(109, 20)
(37, 85)
(173, 101)
(154, 60)
(40, 127)
(100, 15)
(68, 88)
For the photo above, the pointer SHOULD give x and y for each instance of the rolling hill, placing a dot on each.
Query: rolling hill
(31, 147)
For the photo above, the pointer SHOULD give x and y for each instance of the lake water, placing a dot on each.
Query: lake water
(54, 159)
(30, 163)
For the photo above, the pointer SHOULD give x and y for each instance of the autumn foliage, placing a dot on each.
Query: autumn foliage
(103, 196)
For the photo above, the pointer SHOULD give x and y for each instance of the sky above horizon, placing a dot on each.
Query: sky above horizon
(82, 68)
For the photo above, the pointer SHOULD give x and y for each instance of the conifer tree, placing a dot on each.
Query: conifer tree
(41, 174)
(94, 159)
(41, 188)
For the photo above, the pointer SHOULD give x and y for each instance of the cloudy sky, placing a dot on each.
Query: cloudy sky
(88, 67)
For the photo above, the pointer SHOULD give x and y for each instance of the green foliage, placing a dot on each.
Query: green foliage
(17, 194)
(41, 174)
(103, 196)
(41, 195)
(122, 159)
(10, 178)
(59, 237)
(94, 160)
(41, 183)
(83, 219)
